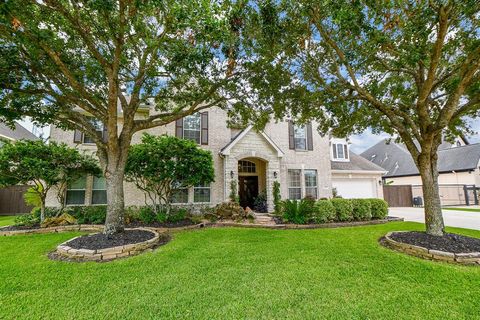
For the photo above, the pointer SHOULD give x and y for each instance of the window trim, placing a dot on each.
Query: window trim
(199, 115)
(305, 137)
(289, 187)
(96, 123)
(208, 187)
(84, 194)
(311, 187)
(93, 189)
(242, 164)
(345, 151)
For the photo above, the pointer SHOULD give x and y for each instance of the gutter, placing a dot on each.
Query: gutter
(360, 171)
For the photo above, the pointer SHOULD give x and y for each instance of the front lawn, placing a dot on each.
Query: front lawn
(239, 273)
(6, 220)
(462, 209)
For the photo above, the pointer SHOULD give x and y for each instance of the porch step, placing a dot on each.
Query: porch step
(263, 219)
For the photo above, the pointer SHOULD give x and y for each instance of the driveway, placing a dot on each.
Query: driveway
(461, 219)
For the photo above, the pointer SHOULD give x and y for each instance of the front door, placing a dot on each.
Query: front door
(248, 190)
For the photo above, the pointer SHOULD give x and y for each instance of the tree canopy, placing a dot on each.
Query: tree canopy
(401, 67)
(162, 164)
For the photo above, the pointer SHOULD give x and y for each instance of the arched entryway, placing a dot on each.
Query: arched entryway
(252, 180)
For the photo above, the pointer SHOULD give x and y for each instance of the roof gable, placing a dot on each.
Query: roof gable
(226, 150)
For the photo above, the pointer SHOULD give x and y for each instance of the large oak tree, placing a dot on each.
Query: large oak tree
(65, 63)
(409, 68)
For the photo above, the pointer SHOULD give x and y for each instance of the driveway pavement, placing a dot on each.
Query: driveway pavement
(461, 219)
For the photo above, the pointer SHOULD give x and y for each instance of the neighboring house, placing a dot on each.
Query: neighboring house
(296, 156)
(458, 166)
(18, 133)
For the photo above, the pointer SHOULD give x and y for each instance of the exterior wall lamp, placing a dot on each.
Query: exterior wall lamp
(232, 174)
(275, 174)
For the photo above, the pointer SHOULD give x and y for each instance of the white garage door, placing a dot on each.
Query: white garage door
(355, 188)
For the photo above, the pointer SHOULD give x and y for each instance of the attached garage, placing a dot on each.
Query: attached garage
(357, 178)
(355, 188)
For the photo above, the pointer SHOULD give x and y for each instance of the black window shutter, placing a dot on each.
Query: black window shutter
(334, 151)
(77, 136)
(291, 135)
(345, 148)
(179, 128)
(204, 124)
(309, 137)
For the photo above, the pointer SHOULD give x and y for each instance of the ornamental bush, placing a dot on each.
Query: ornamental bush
(361, 209)
(343, 209)
(324, 212)
(298, 211)
(379, 208)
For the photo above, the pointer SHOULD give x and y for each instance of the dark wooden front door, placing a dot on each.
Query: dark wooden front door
(248, 190)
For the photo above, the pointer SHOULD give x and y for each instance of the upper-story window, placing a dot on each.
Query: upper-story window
(340, 151)
(193, 127)
(245, 166)
(300, 136)
(80, 137)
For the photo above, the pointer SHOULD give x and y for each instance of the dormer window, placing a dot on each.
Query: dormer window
(340, 151)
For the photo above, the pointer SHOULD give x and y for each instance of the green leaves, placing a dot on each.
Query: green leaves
(165, 163)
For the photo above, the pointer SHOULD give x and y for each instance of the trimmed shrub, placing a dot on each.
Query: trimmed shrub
(343, 209)
(89, 214)
(379, 208)
(147, 215)
(260, 202)
(361, 209)
(324, 212)
(27, 220)
(298, 211)
(277, 198)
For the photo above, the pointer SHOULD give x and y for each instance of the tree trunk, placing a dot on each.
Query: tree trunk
(114, 175)
(431, 196)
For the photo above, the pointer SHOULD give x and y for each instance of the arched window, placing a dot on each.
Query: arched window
(245, 166)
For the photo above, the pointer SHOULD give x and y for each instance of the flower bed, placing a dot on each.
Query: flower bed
(71, 250)
(430, 251)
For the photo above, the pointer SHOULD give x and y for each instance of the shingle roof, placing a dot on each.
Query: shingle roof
(356, 163)
(17, 134)
(395, 158)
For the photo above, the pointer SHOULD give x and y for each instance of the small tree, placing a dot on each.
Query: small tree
(43, 166)
(233, 196)
(162, 164)
(277, 197)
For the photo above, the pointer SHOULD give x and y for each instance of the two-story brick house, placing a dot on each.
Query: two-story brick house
(304, 162)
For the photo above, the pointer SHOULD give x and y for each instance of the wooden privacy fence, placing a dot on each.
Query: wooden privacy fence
(11, 201)
(398, 195)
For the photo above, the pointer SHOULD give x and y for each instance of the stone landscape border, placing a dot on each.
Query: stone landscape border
(304, 226)
(108, 254)
(69, 228)
(471, 258)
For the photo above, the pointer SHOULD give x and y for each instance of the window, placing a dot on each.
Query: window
(192, 127)
(99, 191)
(180, 195)
(340, 151)
(201, 193)
(76, 192)
(98, 127)
(300, 137)
(246, 166)
(311, 183)
(294, 184)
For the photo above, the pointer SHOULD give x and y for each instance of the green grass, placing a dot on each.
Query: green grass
(236, 273)
(6, 220)
(462, 209)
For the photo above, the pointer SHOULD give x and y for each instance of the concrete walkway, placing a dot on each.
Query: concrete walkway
(461, 219)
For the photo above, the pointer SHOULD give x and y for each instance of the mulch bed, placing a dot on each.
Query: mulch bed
(102, 241)
(177, 224)
(453, 243)
(15, 228)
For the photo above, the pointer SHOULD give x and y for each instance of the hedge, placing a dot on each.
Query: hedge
(343, 209)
